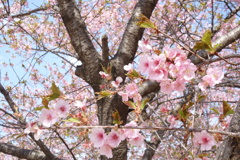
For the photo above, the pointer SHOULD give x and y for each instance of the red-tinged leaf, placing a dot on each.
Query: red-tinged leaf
(130, 104)
(200, 98)
(45, 101)
(157, 52)
(117, 118)
(227, 110)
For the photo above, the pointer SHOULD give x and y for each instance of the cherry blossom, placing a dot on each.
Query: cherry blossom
(113, 139)
(33, 128)
(117, 82)
(48, 117)
(144, 45)
(62, 108)
(106, 150)
(137, 141)
(204, 139)
(97, 137)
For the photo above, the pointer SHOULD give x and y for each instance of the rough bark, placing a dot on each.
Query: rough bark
(81, 42)
(131, 36)
(24, 153)
(230, 148)
(91, 62)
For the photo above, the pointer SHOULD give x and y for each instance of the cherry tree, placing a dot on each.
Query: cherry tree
(120, 79)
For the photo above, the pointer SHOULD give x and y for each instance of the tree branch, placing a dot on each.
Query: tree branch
(81, 41)
(131, 36)
(23, 153)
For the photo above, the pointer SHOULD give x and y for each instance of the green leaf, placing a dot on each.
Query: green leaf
(130, 104)
(215, 110)
(40, 108)
(117, 118)
(133, 74)
(144, 22)
(104, 93)
(74, 120)
(55, 89)
(207, 38)
(201, 45)
(143, 103)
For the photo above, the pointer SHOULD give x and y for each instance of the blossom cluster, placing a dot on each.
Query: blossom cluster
(171, 69)
(204, 139)
(214, 76)
(106, 143)
(48, 117)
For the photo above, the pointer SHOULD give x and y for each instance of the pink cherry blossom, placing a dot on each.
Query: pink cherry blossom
(188, 72)
(98, 137)
(144, 64)
(48, 117)
(113, 139)
(117, 82)
(62, 108)
(131, 133)
(33, 128)
(166, 86)
(144, 45)
(172, 120)
(217, 74)
(137, 141)
(131, 89)
(105, 75)
(106, 150)
(124, 96)
(204, 139)
(179, 84)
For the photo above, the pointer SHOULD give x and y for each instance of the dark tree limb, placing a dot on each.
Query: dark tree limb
(132, 34)
(81, 41)
(23, 153)
(105, 50)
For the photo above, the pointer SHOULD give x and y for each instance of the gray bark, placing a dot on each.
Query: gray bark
(24, 153)
(82, 44)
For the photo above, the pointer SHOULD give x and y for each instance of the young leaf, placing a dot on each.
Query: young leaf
(144, 22)
(104, 93)
(74, 120)
(214, 110)
(40, 108)
(117, 118)
(130, 104)
(207, 38)
(227, 109)
(201, 45)
(144, 102)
